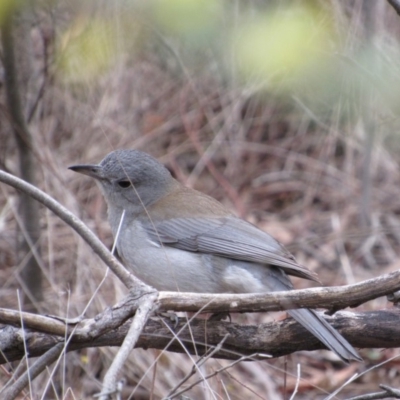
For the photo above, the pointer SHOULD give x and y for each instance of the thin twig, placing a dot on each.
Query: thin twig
(75, 223)
(297, 382)
(136, 328)
(32, 372)
(188, 325)
(28, 376)
(218, 371)
(145, 292)
(206, 356)
(388, 393)
(175, 336)
(359, 375)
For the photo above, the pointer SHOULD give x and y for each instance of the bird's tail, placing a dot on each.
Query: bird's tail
(328, 335)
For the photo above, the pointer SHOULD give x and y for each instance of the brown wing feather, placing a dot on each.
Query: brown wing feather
(216, 232)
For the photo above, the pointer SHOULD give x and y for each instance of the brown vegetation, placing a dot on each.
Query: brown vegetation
(322, 177)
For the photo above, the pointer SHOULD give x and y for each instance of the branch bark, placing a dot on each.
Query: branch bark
(372, 329)
(332, 298)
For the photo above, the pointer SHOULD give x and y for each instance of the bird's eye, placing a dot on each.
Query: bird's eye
(124, 184)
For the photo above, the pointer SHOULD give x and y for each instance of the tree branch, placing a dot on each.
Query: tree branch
(136, 327)
(332, 298)
(10, 392)
(132, 283)
(372, 329)
(111, 318)
(143, 296)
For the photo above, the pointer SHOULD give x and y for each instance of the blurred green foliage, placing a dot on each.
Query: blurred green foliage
(281, 46)
(7, 7)
(87, 48)
(192, 20)
(292, 49)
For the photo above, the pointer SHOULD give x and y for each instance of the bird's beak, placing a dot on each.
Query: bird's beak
(93, 171)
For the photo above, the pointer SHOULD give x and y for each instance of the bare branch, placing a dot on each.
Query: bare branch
(373, 329)
(388, 393)
(171, 395)
(11, 392)
(395, 4)
(142, 295)
(332, 298)
(209, 354)
(139, 321)
(75, 223)
(113, 317)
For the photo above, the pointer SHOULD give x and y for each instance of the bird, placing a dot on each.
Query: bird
(175, 238)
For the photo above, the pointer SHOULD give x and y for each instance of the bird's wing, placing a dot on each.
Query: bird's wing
(229, 237)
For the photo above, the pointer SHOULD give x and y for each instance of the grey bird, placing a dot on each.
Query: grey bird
(178, 239)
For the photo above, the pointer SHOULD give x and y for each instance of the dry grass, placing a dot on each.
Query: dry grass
(297, 174)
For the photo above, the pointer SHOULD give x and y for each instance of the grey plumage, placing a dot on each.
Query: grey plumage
(176, 238)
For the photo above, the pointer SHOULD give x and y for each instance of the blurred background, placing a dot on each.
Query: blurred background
(286, 111)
